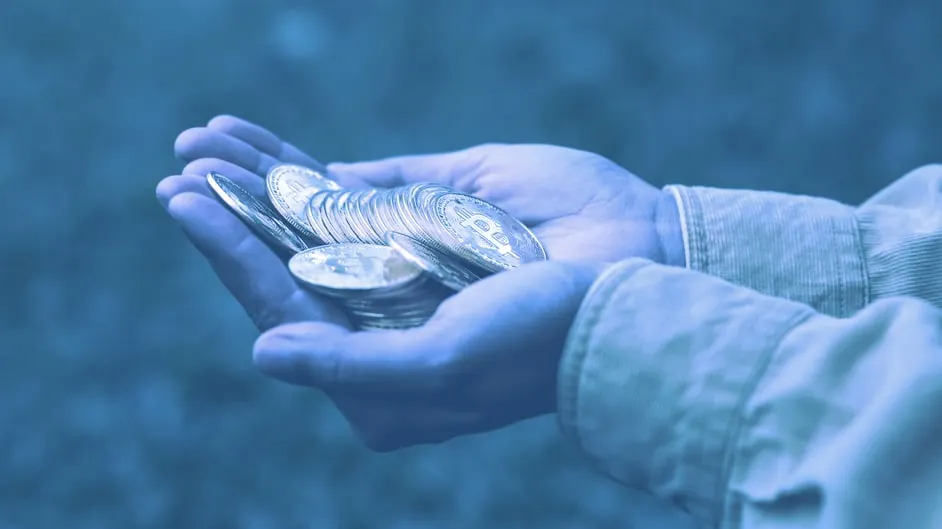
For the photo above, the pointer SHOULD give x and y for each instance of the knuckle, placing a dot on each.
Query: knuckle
(445, 369)
(221, 121)
(267, 317)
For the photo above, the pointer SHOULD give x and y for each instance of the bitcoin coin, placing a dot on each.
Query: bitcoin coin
(444, 268)
(290, 188)
(376, 285)
(255, 214)
(484, 233)
(350, 267)
(481, 235)
(389, 257)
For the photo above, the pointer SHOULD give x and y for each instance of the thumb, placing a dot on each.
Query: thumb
(329, 357)
(443, 168)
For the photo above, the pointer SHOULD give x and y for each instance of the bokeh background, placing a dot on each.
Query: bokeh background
(127, 395)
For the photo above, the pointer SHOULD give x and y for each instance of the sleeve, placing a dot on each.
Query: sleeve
(750, 411)
(831, 256)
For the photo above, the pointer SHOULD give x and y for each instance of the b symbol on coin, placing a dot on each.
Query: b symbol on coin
(490, 231)
(296, 187)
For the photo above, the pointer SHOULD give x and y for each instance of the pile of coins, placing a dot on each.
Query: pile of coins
(388, 256)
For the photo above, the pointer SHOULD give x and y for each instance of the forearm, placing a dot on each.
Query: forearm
(753, 411)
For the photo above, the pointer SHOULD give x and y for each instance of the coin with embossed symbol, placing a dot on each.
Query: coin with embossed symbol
(389, 257)
(255, 214)
(351, 267)
(444, 268)
(483, 233)
(375, 284)
(290, 188)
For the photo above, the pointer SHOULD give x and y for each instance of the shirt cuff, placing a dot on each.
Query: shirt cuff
(795, 247)
(653, 378)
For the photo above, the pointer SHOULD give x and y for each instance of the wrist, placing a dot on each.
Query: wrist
(669, 230)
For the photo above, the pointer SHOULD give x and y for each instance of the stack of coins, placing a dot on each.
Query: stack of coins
(374, 283)
(388, 256)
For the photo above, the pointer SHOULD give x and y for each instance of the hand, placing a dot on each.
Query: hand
(580, 205)
(496, 360)
(487, 359)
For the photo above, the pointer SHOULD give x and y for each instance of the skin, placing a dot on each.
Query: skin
(489, 356)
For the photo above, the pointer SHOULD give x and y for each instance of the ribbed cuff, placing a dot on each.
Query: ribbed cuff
(795, 247)
(669, 224)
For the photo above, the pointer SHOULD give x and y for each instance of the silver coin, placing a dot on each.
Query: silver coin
(384, 213)
(342, 218)
(290, 188)
(394, 255)
(375, 285)
(444, 268)
(410, 212)
(326, 212)
(315, 219)
(255, 213)
(490, 237)
(369, 226)
(343, 267)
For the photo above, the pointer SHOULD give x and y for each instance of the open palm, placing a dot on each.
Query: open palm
(580, 205)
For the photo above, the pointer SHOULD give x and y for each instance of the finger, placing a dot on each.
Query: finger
(263, 140)
(391, 364)
(247, 179)
(254, 275)
(172, 186)
(255, 135)
(202, 142)
(456, 168)
(195, 182)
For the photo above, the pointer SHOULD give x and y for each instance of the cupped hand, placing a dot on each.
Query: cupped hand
(489, 355)
(488, 358)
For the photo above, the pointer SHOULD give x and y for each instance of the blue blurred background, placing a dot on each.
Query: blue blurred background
(128, 397)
